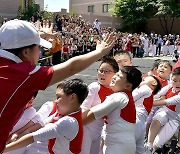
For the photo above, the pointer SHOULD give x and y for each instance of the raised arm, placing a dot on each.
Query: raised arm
(79, 63)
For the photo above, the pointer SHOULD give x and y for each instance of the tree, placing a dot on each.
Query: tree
(134, 13)
(28, 12)
(47, 15)
(168, 10)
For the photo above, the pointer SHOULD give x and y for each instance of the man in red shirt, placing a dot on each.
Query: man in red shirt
(19, 75)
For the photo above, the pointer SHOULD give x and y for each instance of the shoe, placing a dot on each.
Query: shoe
(166, 149)
(177, 150)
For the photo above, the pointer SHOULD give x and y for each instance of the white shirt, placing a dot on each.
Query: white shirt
(139, 94)
(64, 130)
(117, 130)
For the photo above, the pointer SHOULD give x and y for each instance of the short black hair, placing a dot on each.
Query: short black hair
(176, 71)
(122, 52)
(133, 75)
(77, 86)
(155, 64)
(158, 86)
(17, 51)
(110, 61)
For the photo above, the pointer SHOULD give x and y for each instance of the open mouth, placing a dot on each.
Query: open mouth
(161, 71)
(102, 79)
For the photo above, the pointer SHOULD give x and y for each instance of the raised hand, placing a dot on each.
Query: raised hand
(107, 44)
(46, 30)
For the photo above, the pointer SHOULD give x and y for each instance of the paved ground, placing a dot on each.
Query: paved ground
(89, 75)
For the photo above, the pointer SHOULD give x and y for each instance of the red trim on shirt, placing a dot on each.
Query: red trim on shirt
(76, 144)
(171, 94)
(18, 86)
(103, 93)
(148, 103)
(129, 112)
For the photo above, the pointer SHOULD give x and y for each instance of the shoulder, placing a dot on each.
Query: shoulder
(119, 96)
(68, 126)
(94, 86)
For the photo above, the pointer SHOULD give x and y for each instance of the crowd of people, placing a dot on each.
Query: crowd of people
(122, 112)
(79, 36)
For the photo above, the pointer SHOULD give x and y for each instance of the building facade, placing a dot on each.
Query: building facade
(9, 8)
(92, 9)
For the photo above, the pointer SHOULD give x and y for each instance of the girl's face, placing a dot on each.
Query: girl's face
(163, 70)
(176, 82)
(119, 82)
(105, 74)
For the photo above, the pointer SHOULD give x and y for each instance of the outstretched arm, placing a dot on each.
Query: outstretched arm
(88, 117)
(79, 63)
(22, 142)
(170, 101)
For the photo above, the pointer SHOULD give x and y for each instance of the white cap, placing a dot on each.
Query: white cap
(18, 33)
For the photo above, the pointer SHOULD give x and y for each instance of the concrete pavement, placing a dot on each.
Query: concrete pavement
(89, 75)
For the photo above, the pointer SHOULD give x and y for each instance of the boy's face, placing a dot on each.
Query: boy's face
(176, 82)
(63, 102)
(119, 82)
(163, 70)
(123, 60)
(150, 81)
(105, 74)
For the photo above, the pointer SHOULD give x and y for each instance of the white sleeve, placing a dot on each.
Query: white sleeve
(37, 119)
(87, 103)
(27, 115)
(175, 100)
(45, 110)
(112, 102)
(163, 91)
(143, 92)
(65, 127)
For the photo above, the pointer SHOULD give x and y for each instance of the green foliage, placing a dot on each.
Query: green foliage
(134, 12)
(29, 11)
(167, 9)
(47, 15)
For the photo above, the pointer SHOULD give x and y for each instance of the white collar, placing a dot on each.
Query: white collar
(8, 55)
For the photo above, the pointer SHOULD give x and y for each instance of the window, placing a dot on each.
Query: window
(91, 8)
(106, 8)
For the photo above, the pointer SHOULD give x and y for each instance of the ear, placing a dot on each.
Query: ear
(24, 53)
(154, 83)
(73, 97)
(128, 87)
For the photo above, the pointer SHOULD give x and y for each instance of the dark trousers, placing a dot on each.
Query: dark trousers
(56, 58)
